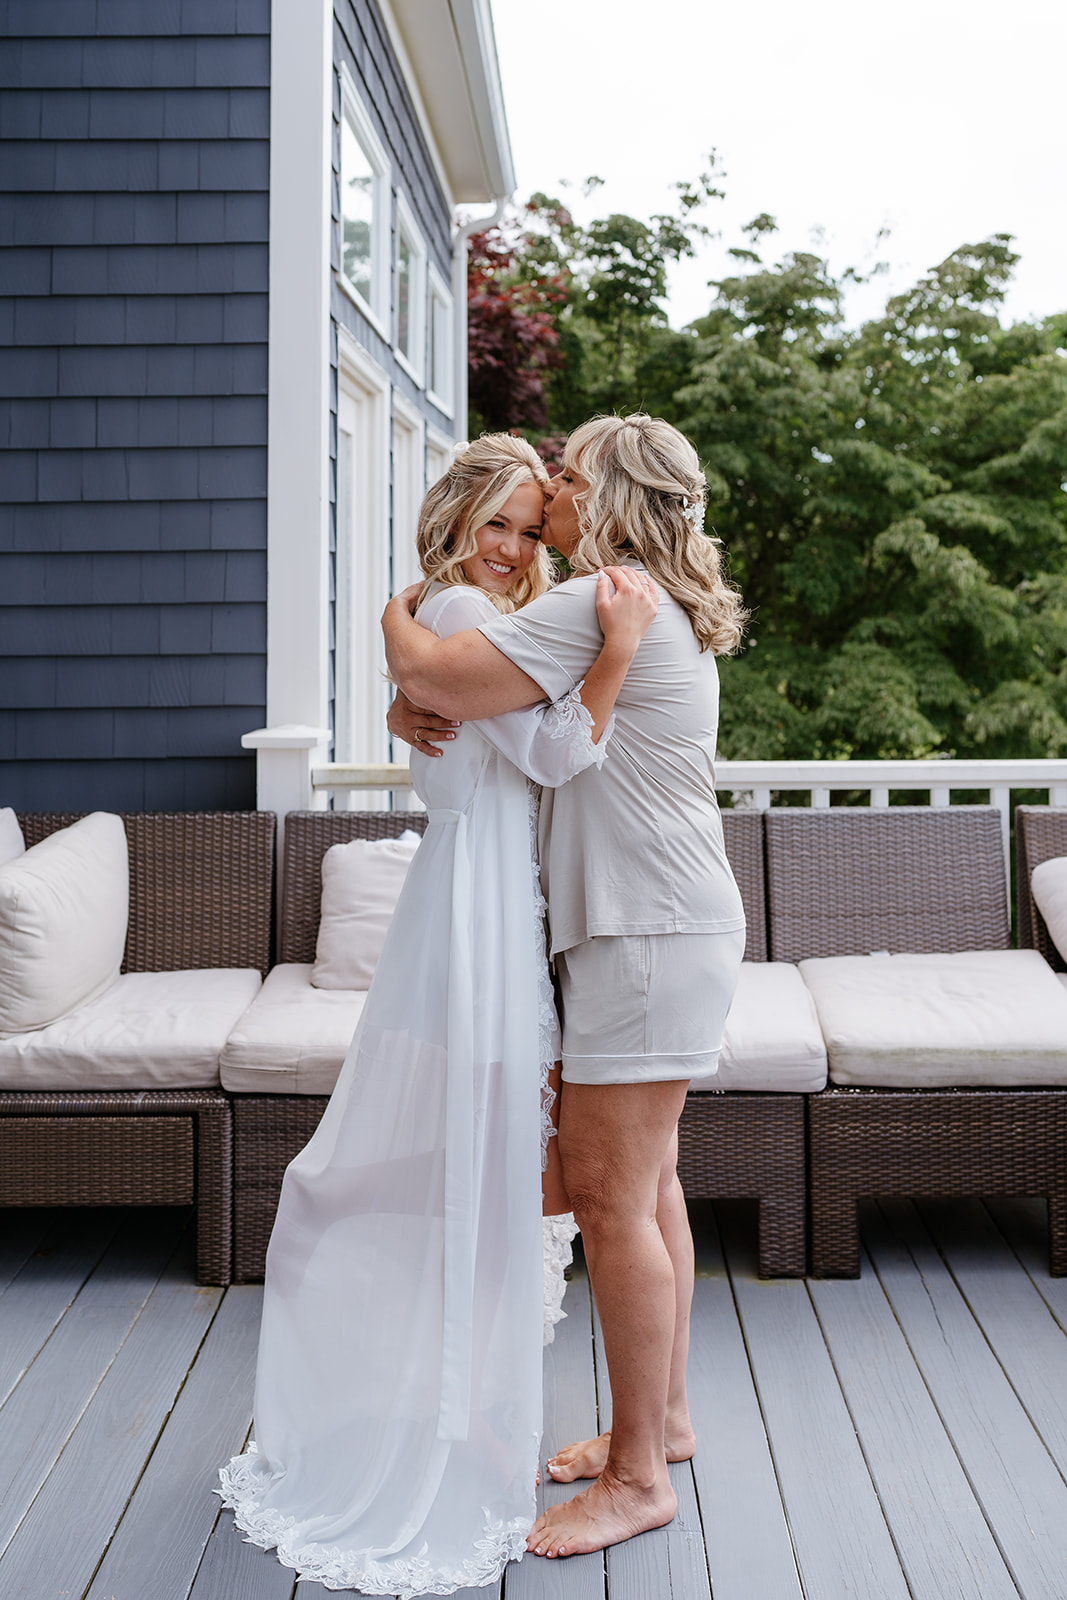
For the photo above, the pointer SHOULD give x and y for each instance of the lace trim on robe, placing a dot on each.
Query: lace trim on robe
(547, 1025)
(568, 718)
(242, 1485)
(559, 1232)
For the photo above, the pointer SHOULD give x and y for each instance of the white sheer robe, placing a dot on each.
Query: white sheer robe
(398, 1392)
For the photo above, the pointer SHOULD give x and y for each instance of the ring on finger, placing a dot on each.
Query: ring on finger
(418, 735)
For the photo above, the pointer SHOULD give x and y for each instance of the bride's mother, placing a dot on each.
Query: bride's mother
(646, 921)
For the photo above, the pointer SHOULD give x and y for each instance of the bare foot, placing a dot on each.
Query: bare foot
(588, 1458)
(606, 1513)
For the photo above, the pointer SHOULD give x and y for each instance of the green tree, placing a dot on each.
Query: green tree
(891, 499)
(892, 502)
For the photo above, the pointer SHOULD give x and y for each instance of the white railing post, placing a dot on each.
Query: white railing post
(285, 756)
(1000, 796)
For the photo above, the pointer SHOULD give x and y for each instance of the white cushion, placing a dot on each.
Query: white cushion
(293, 1038)
(150, 1030)
(64, 907)
(993, 1017)
(772, 1039)
(12, 843)
(361, 882)
(1049, 884)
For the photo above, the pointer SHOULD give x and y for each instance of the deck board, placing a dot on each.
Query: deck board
(1015, 1318)
(43, 1289)
(843, 1545)
(209, 1422)
(1024, 1224)
(943, 1541)
(24, 1234)
(1015, 1481)
(668, 1562)
(570, 1413)
(45, 1406)
(233, 1569)
(58, 1543)
(750, 1553)
(895, 1431)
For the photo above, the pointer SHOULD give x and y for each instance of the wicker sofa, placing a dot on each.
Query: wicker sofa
(1040, 834)
(200, 898)
(863, 882)
(746, 1138)
(270, 1128)
(732, 1143)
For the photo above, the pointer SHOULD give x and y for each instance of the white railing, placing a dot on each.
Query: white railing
(754, 782)
(293, 777)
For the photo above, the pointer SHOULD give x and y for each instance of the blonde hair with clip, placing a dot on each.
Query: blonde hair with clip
(645, 501)
(482, 476)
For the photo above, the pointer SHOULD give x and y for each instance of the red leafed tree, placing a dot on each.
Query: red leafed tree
(513, 343)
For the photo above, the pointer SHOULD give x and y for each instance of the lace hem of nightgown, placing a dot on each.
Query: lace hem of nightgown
(243, 1485)
(568, 718)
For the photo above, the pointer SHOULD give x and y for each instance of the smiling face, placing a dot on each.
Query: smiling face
(507, 543)
(561, 514)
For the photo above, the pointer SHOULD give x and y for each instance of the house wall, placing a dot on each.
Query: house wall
(362, 44)
(133, 375)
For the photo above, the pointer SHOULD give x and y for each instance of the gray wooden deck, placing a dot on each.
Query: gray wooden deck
(900, 1436)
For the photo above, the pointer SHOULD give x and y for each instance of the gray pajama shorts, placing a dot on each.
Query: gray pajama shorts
(646, 1008)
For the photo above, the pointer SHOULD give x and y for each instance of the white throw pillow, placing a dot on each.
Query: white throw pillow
(64, 909)
(12, 843)
(361, 883)
(1049, 884)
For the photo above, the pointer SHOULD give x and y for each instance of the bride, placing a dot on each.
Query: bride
(398, 1389)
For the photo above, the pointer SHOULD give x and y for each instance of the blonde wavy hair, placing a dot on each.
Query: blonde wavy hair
(483, 475)
(645, 500)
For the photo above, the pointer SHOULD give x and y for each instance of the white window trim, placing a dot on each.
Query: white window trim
(363, 573)
(298, 414)
(439, 448)
(409, 486)
(376, 310)
(407, 227)
(440, 291)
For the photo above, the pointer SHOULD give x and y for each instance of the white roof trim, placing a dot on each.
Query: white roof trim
(448, 55)
(400, 50)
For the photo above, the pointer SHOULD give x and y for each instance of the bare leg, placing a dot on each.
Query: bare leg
(588, 1457)
(614, 1141)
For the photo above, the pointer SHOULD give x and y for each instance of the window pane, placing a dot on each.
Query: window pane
(357, 212)
(440, 346)
(435, 344)
(403, 296)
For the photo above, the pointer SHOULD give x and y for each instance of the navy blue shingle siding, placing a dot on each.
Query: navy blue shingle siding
(134, 165)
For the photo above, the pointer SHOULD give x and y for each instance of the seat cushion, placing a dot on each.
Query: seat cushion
(1048, 883)
(983, 1017)
(150, 1030)
(772, 1039)
(64, 909)
(12, 843)
(293, 1037)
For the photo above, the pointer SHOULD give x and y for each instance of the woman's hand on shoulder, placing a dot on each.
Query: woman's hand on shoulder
(406, 600)
(418, 727)
(626, 604)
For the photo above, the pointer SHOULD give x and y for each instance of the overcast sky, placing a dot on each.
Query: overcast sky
(941, 120)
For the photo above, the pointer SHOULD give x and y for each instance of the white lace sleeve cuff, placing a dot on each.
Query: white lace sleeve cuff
(567, 718)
